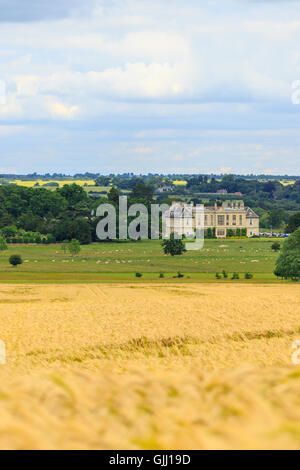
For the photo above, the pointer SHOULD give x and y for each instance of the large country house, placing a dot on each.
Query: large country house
(229, 219)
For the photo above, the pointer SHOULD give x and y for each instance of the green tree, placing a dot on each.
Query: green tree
(15, 260)
(294, 223)
(275, 246)
(142, 191)
(9, 231)
(45, 202)
(113, 196)
(235, 276)
(276, 217)
(288, 263)
(173, 246)
(73, 193)
(74, 247)
(79, 229)
(64, 246)
(102, 181)
(3, 245)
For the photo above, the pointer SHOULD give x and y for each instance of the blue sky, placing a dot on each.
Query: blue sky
(149, 86)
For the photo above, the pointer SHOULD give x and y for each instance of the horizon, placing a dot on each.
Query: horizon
(133, 175)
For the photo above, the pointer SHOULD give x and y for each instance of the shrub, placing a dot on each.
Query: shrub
(74, 247)
(173, 246)
(248, 276)
(9, 231)
(161, 275)
(225, 275)
(138, 274)
(235, 276)
(218, 276)
(51, 238)
(3, 245)
(275, 246)
(178, 275)
(64, 246)
(15, 260)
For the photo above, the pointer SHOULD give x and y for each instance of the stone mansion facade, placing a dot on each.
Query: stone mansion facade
(229, 219)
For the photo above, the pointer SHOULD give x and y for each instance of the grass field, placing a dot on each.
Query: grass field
(120, 261)
(143, 366)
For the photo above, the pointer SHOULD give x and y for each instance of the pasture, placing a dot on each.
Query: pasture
(149, 366)
(120, 261)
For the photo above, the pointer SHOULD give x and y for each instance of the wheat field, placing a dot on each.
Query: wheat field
(197, 366)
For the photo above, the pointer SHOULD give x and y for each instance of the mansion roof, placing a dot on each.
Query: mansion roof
(182, 210)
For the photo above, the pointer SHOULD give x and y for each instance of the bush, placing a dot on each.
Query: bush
(275, 246)
(74, 247)
(138, 274)
(248, 276)
(15, 260)
(218, 276)
(161, 275)
(3, 245)
(51, 238)
(179, 275)
(173, 246)
(9, 231)
(225, 275)
(235, 276)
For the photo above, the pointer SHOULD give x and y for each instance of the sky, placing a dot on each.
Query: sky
(160, 86)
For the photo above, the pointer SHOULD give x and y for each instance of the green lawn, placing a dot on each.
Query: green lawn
(120, 261)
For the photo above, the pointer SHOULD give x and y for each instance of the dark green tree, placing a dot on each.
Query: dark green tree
(3, 245)
(74, 247)
(113, 196)
(275, 246)
(294, 222)
(288, 263)
(173, 246)
(73, 193)
(15, 260)
(142, 191)
(102, 181)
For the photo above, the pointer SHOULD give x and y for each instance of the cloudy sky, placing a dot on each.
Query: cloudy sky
(150, 86)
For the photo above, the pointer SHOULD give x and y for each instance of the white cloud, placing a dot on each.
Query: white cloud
(142, 150)
(204, 77)
(61, 110)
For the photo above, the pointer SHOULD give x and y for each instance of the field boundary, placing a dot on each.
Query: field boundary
(128, 277)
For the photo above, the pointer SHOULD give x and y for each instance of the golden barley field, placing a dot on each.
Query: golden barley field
(160, 366)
